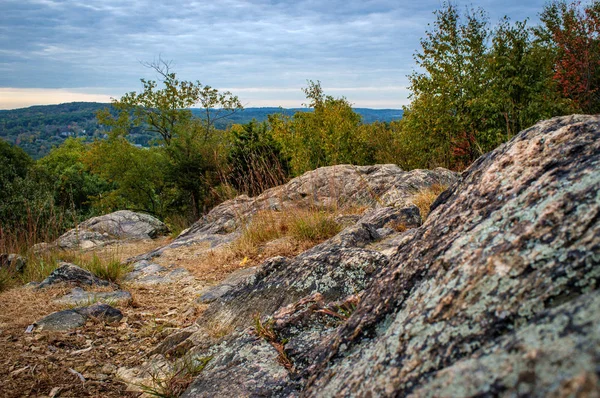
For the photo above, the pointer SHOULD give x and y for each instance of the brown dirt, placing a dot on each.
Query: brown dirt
(34, 364)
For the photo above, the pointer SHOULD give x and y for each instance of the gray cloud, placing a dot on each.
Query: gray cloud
(98, 44)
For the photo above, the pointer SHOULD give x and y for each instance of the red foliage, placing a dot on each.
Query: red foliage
(577, 68)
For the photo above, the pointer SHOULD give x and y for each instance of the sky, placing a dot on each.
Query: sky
(55, 51)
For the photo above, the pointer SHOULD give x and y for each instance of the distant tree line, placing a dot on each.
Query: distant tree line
(476, 87)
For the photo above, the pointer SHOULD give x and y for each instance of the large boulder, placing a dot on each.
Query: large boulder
(496, 294)
(110, 228)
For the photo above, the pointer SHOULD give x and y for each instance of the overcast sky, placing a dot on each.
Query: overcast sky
(54, 51)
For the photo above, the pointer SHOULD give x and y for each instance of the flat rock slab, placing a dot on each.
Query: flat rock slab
(72, 274)
(71, 319)
(78, 296)
(61, 320)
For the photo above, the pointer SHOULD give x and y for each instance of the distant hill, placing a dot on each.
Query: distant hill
(39, 128)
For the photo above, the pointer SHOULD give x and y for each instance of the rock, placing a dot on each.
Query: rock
(72, 274)
(328, 269)
(79, 296)
(237, 278)
(495, 294)
(341, 185)
(13, 261)
(61, 320)
(71, 319)
(257, 373)
(110, 228)
(102, 312)
(147, 273)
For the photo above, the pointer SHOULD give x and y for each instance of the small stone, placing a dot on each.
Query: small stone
(101, 311)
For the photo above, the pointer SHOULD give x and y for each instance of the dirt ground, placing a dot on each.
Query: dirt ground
(82, 362)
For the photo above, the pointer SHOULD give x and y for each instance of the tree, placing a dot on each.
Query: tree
(74, 185)
(255, 159)
(522, 89)
(185, 139)
(446, 96)
(574, 33)
(323, 137)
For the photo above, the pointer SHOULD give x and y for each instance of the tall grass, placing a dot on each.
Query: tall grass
(303, 225)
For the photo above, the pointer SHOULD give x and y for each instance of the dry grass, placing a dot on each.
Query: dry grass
(301, 225)
(33, 364)
(174, 383)
(425, 198)
(105, 262)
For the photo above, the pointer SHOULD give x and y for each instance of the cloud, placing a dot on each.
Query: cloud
(67, 44)
(22, 97)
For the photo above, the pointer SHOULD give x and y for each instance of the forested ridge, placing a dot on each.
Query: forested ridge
(37, 129)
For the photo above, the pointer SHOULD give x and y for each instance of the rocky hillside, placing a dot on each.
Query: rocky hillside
(494, 294)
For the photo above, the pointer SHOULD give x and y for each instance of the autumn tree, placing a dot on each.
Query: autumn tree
(573, 31)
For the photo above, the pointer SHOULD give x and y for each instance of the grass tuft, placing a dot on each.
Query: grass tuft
(110, 269)
(425, 198)
(173, 384)
(265, 330)
(303, 226)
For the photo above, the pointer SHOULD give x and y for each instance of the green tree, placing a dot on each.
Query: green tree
(446, 108)
(137, 176)
(522, 89)
(255, 159)
(323, 137)
(73, 183)
(186, 140)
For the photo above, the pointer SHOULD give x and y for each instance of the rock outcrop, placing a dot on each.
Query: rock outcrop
(110, 228)
(496, 294)
(13, 261)
(333, 186)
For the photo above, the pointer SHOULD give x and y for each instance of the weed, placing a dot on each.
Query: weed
(110, 269)
(303, 225)
(173, 384)
(425, 198)
(398, 226)
(265, 331)
(177, 223)
(6, 279)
